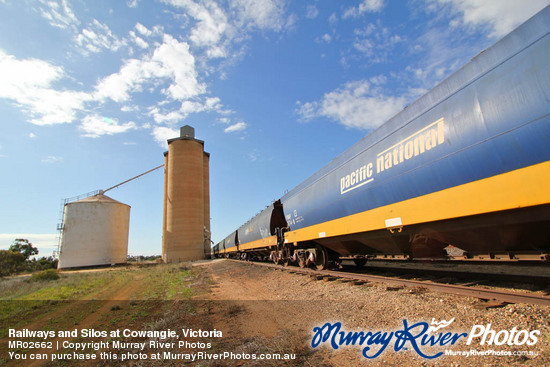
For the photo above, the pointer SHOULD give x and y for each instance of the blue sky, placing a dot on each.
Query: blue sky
(91, 90)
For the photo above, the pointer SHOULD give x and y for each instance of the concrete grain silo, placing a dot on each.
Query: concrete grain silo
(186, 223)
(95, 232)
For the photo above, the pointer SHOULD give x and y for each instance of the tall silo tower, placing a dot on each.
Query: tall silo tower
(95, 232)
(186, 223)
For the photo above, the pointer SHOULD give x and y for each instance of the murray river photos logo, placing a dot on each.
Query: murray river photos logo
(418, 337)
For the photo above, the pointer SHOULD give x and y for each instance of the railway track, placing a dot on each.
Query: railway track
(503, 296)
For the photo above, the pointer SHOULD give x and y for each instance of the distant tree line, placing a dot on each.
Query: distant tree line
(140, 258)
(17, 259)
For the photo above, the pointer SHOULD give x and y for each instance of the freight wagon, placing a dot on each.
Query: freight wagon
(461, 173)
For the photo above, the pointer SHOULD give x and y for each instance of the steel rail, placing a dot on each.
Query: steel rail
(489, 294)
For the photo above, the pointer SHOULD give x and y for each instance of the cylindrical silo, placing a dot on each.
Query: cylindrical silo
(184, 232)
(95, 232)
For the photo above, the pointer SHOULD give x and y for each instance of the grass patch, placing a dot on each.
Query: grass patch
(69, 286)
(50, 305)
(23, 301)
(170, 282)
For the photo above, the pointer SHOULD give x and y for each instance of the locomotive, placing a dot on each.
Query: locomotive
(462, 173)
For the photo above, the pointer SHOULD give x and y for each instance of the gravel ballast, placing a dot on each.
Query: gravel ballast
(281, 308)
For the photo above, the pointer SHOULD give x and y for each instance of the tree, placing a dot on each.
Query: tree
(24, 247)
(10, 262)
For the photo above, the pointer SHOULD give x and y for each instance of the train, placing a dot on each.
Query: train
(462, 173)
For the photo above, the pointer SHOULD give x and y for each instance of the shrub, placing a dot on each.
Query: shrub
(44, 275)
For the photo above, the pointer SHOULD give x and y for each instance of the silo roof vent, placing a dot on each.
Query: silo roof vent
(187, 132)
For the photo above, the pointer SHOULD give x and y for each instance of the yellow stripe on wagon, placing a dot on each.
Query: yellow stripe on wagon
(263, 242)
(516, 189)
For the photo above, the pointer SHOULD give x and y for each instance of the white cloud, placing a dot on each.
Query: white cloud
(58, 13)
(212, 103)
(366, 6)
(51, 159)
(187, 107)
(312, 12)
(326, 38)
(437, 52)
(168, 117)
(375, 42)
(29, 82)
(133, 108)
(161, 134)
(333, 19)
(52, 107)
(118, 86)
(253, 155)
(378, 79)
(307, 110)
(211, 26)
(177, 62)
(95, 126)
(96, 37)
(143, 30)
(355, 105)
(32, 135)
(171, 62)
(239, 126)
(170, 66)
(24, 74)
(264, 14)
(502, 16)
(212, 30)
(217, 30)
(138, 40)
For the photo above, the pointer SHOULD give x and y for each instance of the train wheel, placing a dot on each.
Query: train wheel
(321, 258)
(301, 258)
(360, 262)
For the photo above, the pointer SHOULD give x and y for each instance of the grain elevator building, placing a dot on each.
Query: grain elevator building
(186, 219)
